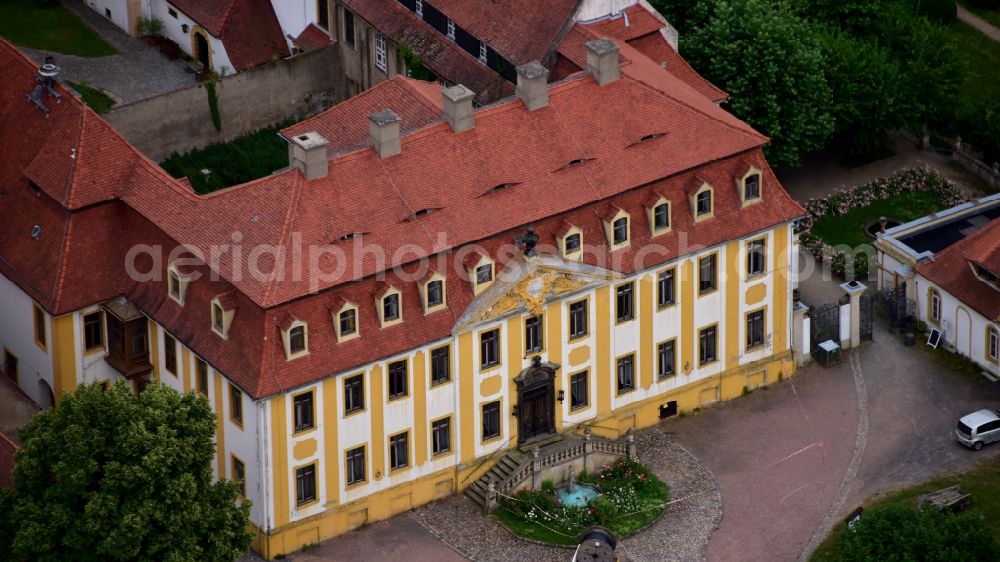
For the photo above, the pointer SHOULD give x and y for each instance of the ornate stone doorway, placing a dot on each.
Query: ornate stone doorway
(536, 400)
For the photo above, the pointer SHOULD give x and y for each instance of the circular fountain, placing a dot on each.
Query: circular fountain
(573, 494)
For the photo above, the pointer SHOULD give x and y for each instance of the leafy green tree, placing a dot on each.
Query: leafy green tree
(931, 64)
(868, 94)
(769, 61)
(855, 16)
(108, 476)
(905, 533)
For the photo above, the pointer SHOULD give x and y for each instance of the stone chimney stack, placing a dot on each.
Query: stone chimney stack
(383, 133)
(307, 152)
(602, 60)
(458, 110)
(532, 85)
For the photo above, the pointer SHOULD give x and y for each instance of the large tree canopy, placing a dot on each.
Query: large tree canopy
(108, 476)
(768, 60)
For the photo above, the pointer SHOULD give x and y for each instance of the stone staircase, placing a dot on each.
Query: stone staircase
(501, 471)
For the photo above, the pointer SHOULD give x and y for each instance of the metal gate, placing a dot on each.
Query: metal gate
(867, 317)
(902, 310)
(824, 324)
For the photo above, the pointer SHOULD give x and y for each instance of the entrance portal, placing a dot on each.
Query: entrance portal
(536, 400)
(201, 50)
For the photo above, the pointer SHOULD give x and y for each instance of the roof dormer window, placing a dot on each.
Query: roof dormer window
(295, 338)
(481, 271)
(703, 202)
(750, 186)
(658, 212)
(223, 310)
(177, 285)
(433, 293)
(617, 224)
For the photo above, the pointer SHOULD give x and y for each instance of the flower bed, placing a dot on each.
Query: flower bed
(631, 497)
(836, 222)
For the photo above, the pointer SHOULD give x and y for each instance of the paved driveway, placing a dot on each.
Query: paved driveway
(783, 457)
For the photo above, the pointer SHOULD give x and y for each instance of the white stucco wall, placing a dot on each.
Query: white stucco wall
(159, 9)
(17, 334)
(118, 8)
(961, 326)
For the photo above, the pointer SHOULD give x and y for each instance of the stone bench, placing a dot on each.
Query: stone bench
(950, 498)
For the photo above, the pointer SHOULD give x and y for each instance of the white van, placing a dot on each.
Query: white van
(978, 428)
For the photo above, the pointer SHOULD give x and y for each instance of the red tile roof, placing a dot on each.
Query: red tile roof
(643, 35)
(312, 38)
(345, 125)
(442, 56)
(249, 29)
(89, 225)
(520, 30)
(950, 269)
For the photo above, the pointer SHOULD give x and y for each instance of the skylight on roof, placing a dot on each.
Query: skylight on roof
(575, 162)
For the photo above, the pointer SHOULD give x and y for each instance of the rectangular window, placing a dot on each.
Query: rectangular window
(578, 319)
(40, 327)
(707, 340)
(755, 257)
(491, 420)
(397, 379)
(174, 285)
(390, 307)
(440, 365)
(489, 348)
(348, 322)
(323, 14)
(303, 406)
(93, 330)
(236, 405)
(305, 484)
(571, 244)
(354, 394)
(435, 293)
(169, 353)
(706, 274)
(704, 203)
(380, 58)
(620, 231)
(297, 340)
(441, 436)
(751, 188)
(172, 12)
(665, 288)
(484, 273)
(665, 359)
(755, 329)
(240, 475)
(355, 465)
(532, 334)
(626, 373)
(419, 8)
(993, 344)
(935, 306)
(218, 319)
(349, 28)
(661, 217)
(482, 52)
(201, 368)
(578, 388)
(399, 451)
(451, 29)
(624, 302)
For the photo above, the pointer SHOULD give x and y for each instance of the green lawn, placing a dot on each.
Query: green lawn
(29, 24)
(991, 15)
(983, 484)
(96, 99)
(848, 229)
(243, 159)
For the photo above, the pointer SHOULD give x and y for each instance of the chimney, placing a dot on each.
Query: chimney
(532, 85)
(457, 101)
(307, 152)
(383, 133)
(602, 60)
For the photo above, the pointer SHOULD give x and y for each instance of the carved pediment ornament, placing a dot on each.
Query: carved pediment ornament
(531, 293)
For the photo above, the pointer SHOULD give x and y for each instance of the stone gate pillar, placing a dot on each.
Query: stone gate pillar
(854, 290)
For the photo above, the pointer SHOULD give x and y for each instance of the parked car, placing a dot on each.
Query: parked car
(978, 428)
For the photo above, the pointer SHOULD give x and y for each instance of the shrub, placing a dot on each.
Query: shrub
(940, 11)
(150, 26)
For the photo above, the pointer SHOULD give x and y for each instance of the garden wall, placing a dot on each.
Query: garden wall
(181, 120)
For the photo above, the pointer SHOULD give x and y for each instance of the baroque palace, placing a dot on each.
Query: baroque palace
(359, 320)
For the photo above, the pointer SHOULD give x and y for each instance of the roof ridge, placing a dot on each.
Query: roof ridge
(286, 226)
